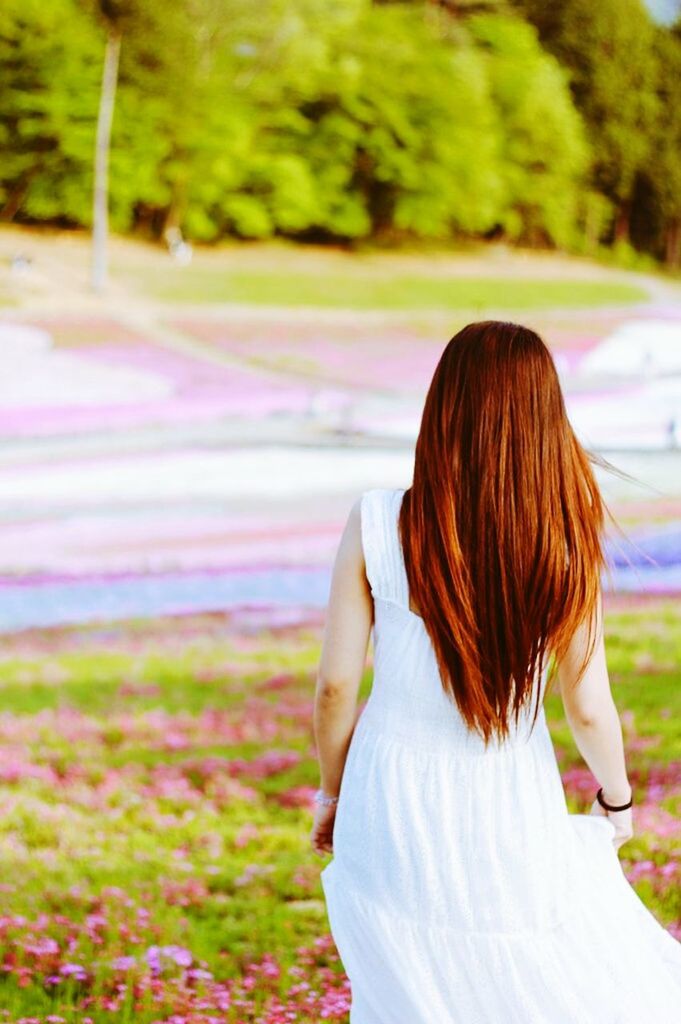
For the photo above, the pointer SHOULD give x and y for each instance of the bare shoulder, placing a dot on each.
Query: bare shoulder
(349, 573)
(350, 553)
(353, 526)
(356, 508)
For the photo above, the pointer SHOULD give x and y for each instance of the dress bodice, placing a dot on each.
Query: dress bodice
(408, 697)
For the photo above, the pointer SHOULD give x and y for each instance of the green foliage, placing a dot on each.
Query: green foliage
(364, 289)
(135, 816)
(608, 48)
(613, 53)
(347, 120)
(545, 154)
(384, 139)
(658, 226)
(49, 84)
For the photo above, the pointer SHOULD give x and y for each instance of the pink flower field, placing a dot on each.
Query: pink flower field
(175, 476)
(156, 782)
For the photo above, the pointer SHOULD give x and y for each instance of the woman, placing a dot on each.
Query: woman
(461, 891)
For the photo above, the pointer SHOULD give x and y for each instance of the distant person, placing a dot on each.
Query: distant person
(461, 891)
(20, 263)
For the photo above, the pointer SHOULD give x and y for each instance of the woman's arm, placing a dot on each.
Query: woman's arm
(343, 656)
(594, 720)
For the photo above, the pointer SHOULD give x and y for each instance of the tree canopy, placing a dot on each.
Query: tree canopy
(349, 119)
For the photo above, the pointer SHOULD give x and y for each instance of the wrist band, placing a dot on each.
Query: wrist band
(610, 807)
(321, 797)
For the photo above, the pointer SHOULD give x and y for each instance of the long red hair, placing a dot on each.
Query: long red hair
(502, 528)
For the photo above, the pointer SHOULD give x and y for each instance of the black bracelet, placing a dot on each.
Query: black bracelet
(609, 807)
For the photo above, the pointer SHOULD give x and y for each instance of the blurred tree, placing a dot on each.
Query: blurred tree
(544, 157)
(609, 49)
(380, 121)
(657, 202)
(299, 117)
(341, 122)
(456, 8)
(178, 75)
(390, 132)
(48, 89)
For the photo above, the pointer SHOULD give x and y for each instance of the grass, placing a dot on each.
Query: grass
(644, 664)
(368, 290)
(155, 783)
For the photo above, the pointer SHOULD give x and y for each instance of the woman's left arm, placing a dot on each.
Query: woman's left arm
(344, 649)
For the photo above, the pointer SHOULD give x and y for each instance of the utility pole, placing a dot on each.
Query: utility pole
(100, 205)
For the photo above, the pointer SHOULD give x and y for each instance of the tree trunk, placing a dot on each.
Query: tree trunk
(592, 225)
(673, 243)
(100, 205)
(622, 222)
(16, 197)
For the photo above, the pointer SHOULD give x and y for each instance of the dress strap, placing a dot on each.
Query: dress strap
(383, 557)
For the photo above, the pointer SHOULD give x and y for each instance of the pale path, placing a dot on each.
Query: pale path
(182, 462)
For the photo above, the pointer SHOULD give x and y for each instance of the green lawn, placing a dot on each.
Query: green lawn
(369, 290)
(155, 784)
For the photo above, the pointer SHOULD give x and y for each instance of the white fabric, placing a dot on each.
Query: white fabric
(461, 891)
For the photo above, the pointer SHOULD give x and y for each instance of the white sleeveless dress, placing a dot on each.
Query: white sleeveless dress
(461, 891)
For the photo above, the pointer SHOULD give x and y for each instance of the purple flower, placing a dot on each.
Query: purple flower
(124, 963)
(76, 971)
(182, 957)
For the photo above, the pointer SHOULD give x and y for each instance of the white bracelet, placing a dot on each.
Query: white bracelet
(321, 797)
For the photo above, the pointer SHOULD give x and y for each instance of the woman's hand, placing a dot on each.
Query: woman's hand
(622, 820)
(321, 836)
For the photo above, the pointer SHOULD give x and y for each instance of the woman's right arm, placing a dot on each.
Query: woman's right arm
(595, 723)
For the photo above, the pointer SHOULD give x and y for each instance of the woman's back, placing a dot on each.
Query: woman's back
(461, 891)
(433, 776)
